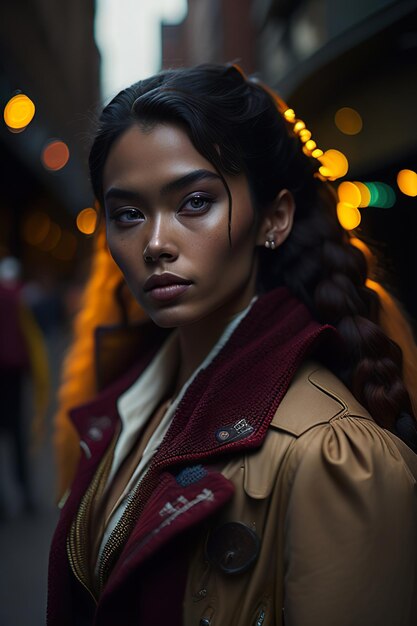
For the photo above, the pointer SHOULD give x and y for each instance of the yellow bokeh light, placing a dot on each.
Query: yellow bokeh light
(334, 164)
(365, 194)
(87, 221)
(299, 126)
(19, 112)
(317, 153)
(407, 182)
(305, 135)
(36, 228)
(289, 115)
(349, 216)
(311, 144)
(55, 155)
(349, 193)
(348, 121)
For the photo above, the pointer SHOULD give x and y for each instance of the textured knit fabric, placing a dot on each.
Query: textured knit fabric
(237, 394)
(141, 399)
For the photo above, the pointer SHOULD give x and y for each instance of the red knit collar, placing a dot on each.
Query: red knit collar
(228, 406)
(246, 380)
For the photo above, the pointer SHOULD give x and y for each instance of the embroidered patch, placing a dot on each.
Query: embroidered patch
(172, 507)
(238, 431)
(190, 475)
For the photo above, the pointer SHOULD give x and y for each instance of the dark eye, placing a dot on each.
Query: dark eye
(127, 216)
(197, 204)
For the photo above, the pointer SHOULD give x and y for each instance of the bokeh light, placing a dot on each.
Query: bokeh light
(348, 121)
(317, 153)
(311, 145)
(55, 155)
(299, 126)
(334, 164)
(36, 228)
(364, 193)
(87, 221)
(19, 112)
(381, 195)
(289, 115)
(349, 216)
(407, 182)
(304, 135)
(349, 193)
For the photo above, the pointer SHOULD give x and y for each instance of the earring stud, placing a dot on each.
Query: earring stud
(270, 243)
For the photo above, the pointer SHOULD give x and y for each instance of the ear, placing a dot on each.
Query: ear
(277, 220)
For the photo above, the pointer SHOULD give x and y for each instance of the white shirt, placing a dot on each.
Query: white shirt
(137, 404)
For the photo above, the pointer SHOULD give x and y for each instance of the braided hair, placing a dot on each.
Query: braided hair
(236, 123)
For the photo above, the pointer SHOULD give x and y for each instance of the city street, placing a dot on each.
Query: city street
(25, 537)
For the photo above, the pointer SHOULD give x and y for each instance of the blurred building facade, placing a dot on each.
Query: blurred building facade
(322, 56)
(213, 31)
(47, 51)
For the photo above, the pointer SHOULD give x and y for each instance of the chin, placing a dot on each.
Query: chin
(171, 318)
(167, 319)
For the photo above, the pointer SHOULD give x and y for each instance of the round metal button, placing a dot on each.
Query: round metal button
(233, 547)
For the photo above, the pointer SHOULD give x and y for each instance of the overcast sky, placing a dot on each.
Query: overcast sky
(128, 36)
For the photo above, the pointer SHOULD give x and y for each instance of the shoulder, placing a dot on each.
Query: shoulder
(315, 396)
(327, 425)
(350, 508)
(320, 433)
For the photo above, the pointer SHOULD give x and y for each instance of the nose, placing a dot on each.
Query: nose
(159, 244)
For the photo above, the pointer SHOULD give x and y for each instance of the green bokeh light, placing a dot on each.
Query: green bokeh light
(382, 195)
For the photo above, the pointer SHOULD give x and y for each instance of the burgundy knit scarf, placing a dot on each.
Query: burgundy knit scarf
(245, 381)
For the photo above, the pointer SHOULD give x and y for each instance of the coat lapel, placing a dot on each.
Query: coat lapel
(227, 408)
(214, 419)
(178, 504)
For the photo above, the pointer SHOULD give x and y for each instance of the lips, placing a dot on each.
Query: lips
(157, 281)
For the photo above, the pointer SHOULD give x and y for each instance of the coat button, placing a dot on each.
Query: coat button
(233, 547)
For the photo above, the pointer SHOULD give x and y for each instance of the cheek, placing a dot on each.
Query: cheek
(121, 250)
(243, 235)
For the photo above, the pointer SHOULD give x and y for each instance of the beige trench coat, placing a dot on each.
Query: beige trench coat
(332, 497)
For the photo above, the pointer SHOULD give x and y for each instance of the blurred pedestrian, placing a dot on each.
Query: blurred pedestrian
(22, 354)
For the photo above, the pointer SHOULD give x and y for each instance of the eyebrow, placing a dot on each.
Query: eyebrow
(174, 185)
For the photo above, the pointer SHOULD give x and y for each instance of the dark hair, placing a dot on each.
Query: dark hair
(235, 123)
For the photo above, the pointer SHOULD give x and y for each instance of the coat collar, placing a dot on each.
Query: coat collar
(229, 405)
(263, 354)
(226, 409)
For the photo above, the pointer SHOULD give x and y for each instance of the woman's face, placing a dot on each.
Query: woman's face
(167, 227)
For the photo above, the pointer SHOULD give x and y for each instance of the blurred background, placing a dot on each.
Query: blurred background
(349, 69)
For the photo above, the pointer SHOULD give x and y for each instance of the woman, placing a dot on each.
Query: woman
(249, 465)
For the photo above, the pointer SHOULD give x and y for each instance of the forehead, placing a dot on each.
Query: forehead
(148, 155)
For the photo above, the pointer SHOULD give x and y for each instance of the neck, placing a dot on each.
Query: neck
(196, 340)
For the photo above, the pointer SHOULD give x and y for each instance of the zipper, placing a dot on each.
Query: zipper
(120, 534)
(77, 542)
(118, 537)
